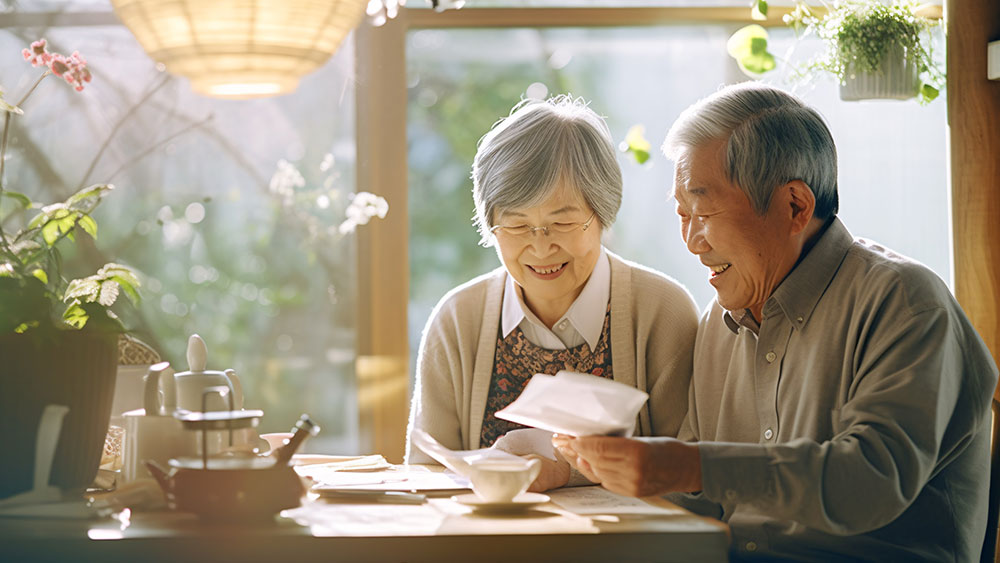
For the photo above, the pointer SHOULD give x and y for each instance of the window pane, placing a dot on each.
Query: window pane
(230, 244)
(892, 155)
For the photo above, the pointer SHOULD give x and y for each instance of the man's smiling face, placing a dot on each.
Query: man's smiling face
(747, 254)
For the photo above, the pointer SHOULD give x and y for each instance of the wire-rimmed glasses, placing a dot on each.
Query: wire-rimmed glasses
(526, 231)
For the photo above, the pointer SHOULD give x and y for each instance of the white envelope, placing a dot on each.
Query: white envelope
(577, 404)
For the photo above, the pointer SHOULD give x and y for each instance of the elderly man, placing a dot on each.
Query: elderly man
(839, 405)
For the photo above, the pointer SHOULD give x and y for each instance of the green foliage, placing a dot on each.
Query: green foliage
(636, 144)
(860, 34)
(749, 47)
(34, 296)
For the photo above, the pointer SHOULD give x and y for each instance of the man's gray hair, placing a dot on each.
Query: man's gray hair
(771, 138)
(525, 156)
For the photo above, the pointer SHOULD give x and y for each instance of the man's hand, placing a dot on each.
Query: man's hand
(636, 467)
(554, 474)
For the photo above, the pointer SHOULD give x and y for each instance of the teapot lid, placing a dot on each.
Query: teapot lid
(223, 462)
(218, 420)
(197, 353)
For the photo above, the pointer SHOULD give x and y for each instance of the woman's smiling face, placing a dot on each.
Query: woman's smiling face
(551, 268)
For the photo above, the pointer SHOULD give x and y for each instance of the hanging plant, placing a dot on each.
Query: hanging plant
(865, 40)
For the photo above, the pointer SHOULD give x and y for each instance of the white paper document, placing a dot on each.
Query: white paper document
(398, 480)
(598, 500)
(576, 404)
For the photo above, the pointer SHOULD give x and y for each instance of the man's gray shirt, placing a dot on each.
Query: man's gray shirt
(854, 422)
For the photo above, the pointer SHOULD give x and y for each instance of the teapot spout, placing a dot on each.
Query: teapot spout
(158, 473)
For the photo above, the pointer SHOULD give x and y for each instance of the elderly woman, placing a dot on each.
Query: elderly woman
(546, 183)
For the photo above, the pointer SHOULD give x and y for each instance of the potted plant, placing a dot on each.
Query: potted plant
(58, 338)
(875, 50)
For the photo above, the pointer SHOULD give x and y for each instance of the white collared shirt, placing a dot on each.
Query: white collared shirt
(583, 321)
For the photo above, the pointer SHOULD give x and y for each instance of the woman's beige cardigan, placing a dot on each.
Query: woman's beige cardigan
(653, 325)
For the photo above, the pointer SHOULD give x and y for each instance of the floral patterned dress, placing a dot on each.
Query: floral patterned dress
(517, 360)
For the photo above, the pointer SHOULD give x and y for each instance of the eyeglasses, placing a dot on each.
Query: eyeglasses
(525, 231)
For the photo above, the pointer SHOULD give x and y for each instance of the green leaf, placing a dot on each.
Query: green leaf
(23, 200)
(91, 192)
(89, 226)
(85, 288)
(76, 316)
(112, 270)
(108, 293)
(928, 93)
(636, 144)
(41, 275)
(758, 10)
(24, 246)
(749, 47)
(50, 232)
(8, 107)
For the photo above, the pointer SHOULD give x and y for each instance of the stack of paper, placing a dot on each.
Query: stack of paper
(576, 404)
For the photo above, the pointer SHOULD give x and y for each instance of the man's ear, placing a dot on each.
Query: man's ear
(800, 202)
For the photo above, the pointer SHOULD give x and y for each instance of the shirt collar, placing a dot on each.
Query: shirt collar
(586, 314)
(797, 295)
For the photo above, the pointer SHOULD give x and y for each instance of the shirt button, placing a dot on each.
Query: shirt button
(800, 319)
(730, 494)
(770, 356)
(751, 546)
(768, 434)
(562, 325)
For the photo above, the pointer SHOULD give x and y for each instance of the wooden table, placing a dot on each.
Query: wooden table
(439, 530)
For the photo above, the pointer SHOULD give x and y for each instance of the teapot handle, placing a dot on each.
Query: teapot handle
(151, 390)
(234, 381)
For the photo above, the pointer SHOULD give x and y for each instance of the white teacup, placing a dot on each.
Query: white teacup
(501, 481)
(152, 437)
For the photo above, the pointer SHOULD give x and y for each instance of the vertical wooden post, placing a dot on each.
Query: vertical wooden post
(382, 365)
(974, 138)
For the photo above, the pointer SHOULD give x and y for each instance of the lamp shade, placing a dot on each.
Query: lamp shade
(240, 48)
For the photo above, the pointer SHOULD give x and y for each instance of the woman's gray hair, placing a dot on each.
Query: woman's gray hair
(771, 137)
(525, 156)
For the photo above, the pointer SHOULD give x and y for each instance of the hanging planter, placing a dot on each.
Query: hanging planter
(896, 78)
(875, 50)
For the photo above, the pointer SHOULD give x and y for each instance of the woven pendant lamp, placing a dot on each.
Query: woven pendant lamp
(240, 48)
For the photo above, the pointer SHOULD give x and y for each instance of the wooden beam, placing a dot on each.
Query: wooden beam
(584, 17)
(974, 139)
(382, 366)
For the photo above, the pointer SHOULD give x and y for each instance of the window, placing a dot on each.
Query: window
(230, 244)
(892, 155)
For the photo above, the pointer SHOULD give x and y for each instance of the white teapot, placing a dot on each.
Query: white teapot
(190, 385)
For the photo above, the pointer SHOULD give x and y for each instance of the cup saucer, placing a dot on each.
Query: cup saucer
(522, 501)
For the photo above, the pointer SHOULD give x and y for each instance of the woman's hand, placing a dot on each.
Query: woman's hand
(554, 474)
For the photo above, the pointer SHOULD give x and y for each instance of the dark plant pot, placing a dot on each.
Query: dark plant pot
(76, 369)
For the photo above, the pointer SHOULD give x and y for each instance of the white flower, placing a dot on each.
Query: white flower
(363, 206)
(284, 181)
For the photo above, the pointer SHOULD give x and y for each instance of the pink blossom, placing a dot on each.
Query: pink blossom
(73, 69)
(37, 55)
